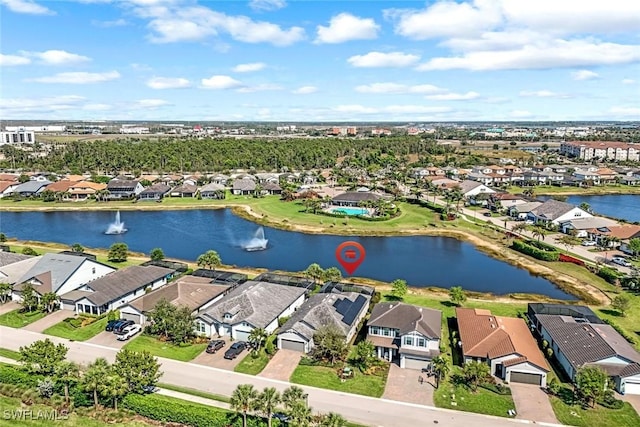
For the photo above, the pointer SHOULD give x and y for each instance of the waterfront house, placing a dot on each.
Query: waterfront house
(219, 179)
(243, 187)
(343, 311)
(184, 190)
(196, 293)
(553, 212)
(404, 333)
(154, 192)
(115, 289)
(7, 187)
(253, 304)
(123, 189)
(354, 198)
(30, 188)
(213, 191)
(504, 343)
(578, 338)
(622, 234)
(584, 227)
(61, 187)
(271, 188)
(84, 190)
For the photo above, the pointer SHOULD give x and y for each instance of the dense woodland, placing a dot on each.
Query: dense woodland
(210, 155)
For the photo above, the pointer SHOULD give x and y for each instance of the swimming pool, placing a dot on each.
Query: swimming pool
(350, 211)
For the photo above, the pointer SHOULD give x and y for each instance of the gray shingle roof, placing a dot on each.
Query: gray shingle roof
(7, 258)
(244, 184)
(31, 186)
(185, 188)
(156, 189)
(552, 209)
(189, 291)
(212, 187)
(356, 196)
(122, 282)
(321, 310)
(257, 303)
(468, 185)
(407, 318)
(60, 267)
(121, 184)
(11, 273)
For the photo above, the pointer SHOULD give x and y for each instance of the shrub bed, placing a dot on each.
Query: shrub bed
(13, 375)
(611, 402)
(534, 250)
(609, 274)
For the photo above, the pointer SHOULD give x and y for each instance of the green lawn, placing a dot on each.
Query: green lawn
(599, 416)
(165, 349)
(17, 319)
(319, 376)
(601, 189)
(65, 330)
(253, 363)
(101, 254)
(9, 354)
(630, 322)
(481, 402)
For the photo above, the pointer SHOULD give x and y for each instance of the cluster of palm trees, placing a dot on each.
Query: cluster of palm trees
(293, 400)
(30, 299)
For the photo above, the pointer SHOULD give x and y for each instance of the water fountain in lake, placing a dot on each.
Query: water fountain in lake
(257, 243)
(116, 227)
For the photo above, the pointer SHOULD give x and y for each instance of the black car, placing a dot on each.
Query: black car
(283, 418)
(235, 349)
(120, 326)
(215, 345)
(110, 325)
(116, 323)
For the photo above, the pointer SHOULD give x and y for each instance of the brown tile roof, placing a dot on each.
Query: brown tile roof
(514, 361)
(625, 231)
(407, 318)
(6, 184)
(60, 186)
(9, 177)
(75, 178)
(88, 185)
(488, 336)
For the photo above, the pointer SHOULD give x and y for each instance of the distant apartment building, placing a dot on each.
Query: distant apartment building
(343, 131)
(606, 150)
(45, 128)
(17, 137)
(133, 129)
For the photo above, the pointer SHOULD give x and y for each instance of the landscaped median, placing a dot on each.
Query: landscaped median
(79, 328)
(482, 401)
(254, 363)
(19, 318)
(153, 345)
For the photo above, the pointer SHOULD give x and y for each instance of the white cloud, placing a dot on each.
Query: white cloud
(21, 106)
(57, 57)
(78, 78)
(544, 94)
(626, 111)
(381, 59)
(168, 83)
(13, 60)
(110, 24)
(267, 5)
(451, 96)
(345, 27)
(247, 68)
(397, 88)
(149, 104)
(259, 88)
(584, 75)
(390, 109)
(220, 82)
(305, 90)
(26, 6)
(520, 114)
(97, 107)
(628, 81)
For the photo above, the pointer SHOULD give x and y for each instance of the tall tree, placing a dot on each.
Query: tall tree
(156, 254)
(330, 344)
(43, 356)
(162, 316)
(441, 368)
(77, 247)
(591, 383)
(332, 274)
(300, 414)
(314, 272)
(118, 252)
(181, 325)
(209, 259)
(333, 420)
(139, 369)
(474, 373)
(292, 395)
(365, 355)
(634, 246)
(457, 295)
(399, 288)
(538, 233)
(243, 400)
(268, 402)
(114, 387)
(29, 298)
(5, 292)
(93, 379)
(50, 301)
(621, 302)
(67, 373)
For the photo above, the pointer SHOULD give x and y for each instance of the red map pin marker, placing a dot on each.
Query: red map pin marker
(350, 255)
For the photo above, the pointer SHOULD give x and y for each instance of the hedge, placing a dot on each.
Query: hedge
(529, 249)
(611, 402)
(609, 274)
(171, 410)
(13, 375)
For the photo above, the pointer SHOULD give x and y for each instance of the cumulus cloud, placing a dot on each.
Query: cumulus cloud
(267, 5)
(168, 83)
(220, 82)
(13, 60)
(544, 93)
(259, 88)
(28, 7)
(57, 57)
(382, 59)
(397, 88)
(151, 104)
(389, 109)
(584, 75)
(451, 96)
(250, 67)
(345, 27)
(305, 90)
(78, 78)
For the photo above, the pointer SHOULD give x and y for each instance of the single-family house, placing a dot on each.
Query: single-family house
(213, 191)
(354, 198)
(521, 211)
(473, 188)
(343, 311)
(13, 269)
(60, 273)
(61, 187)
(504, 343)
(622, 232)
(577, 341)
(263, 178)
(480, 177)
(585, 175)
(219, 179)
(7, 187)
(7, 258)
(154, 192)
(271, 188)
(505, 200)
(581, 227)
(554, 212)
(405, 333)
(184, 190)
(124, 189)
(84, 190)
(112, 291)
(30, 188)
(244, 187)
(250, 305)
(196, 293)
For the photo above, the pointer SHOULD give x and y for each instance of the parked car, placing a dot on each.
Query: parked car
(528, 222)
(215, 345)
(589, 243)
(117, 329)
(149, 388)
(110, 325)
(116, 324)
(283, 418)
(235, 350)
(621, 261)
(487, 214)
(128, 332)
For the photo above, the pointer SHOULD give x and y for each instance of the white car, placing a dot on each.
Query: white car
(621, 261)
(589, 243)
(129, 331)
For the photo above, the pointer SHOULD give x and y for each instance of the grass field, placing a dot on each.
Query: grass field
(481, 402)
(165, 349)
(575, 415)
(253, 364)
(9, 354)
(323, 377)
(541, 190)
(17, 319)
(65, 330)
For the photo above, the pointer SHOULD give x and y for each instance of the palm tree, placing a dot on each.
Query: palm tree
(67, 373)
(93, 378)
(538, 233)
(5, 292)
(314, 271)
(257, 338)
(115, 387)
(49, 301)
(300, 414)
(333, 420)
(440, 368)
(243, 400)
(268, 402)
(585, 207)
(292, 395)
(519, 228)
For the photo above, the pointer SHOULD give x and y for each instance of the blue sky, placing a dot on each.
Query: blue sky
(278, 60)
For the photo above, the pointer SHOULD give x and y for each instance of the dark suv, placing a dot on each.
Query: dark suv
(117, 329)
(215, 345)
(235, 349)
(111, 324)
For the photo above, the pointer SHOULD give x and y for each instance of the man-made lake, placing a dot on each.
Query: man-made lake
(621, 206)
(420, 260)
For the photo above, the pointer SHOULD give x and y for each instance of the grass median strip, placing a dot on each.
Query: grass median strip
(9, 354)
(65, 330)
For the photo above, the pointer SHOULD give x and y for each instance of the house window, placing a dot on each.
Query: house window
(408, 340)
(227, 316)
(386, 332)
(375, 330)
(421, 342)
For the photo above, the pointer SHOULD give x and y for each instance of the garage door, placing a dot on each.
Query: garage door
(292, 345)
(522, 377)
(410, 363)
(631, 388)
(129, 316)
(242, 336)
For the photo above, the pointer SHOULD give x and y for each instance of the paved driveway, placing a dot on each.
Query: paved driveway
(404, 385)
(532, 403)
(48, 320)
(217, 360)
(9, 306)
(107, 339)
(633, 399)
(282, 365)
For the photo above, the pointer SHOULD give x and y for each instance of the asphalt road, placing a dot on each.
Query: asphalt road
(360, 409)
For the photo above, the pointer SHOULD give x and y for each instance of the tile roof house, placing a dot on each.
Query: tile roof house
(521, 211)
(196, 293)
(112, 291)
(473, 188)
(345, 311)
(578, 342)
(124, 188)
(555, 212)
(154, 192)
(248, 306)
(405, 333)
(244, 186)
(353, 198)
(504, 343)
(184, 190)
(7, 187)
(213, 191)
(61, 186)
(85, 189)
